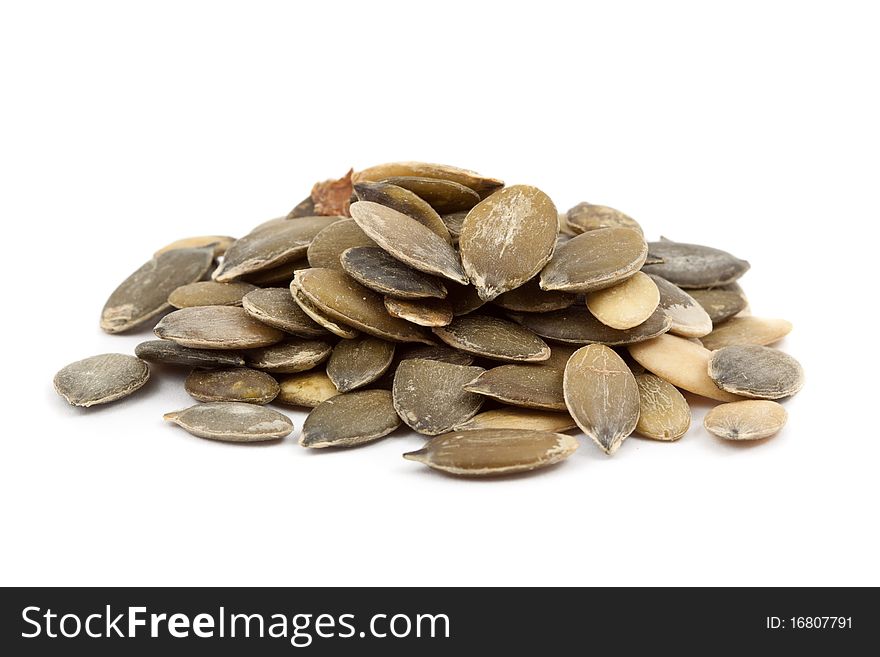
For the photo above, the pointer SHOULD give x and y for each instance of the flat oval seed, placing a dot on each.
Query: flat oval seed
(406, 202)
(595, 260)
(374, 268)
(480, 184)
(721, 303)
(601, 395)
(424, 312)
(355, 363)
(694, 265)
(681, 362)
(306, 389)
(329, 245)
(747, 330)
(511, 417)
(464, 299)
(438, 352)
(454, 222)
(270, 246)
(171, 353)
(239, 384)
(507, 239)
(429, 395)
(530, 386)
(235, 422)
(490, 452)
(688, 317)
(209, 293)
(219, 244)
(280, 275)
(746, 420)
(296, 355)
(275, 306)
(756, 372)
(305, 208)
(494, 338)
(100, 379)
(664, 413)
(408, 240)
(318, 316)
(530, 298)
(351, 419)
(216, 327)
(345, 300)
(445, 196)
(627, 304)
(577, 325)
(144, 294)
(585, 217)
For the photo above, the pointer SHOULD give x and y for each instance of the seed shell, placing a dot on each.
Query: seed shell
(329, 245)
(319, 316)
(275, 307)
(530, 298)
(305, 208)
(101, 379)
(694, 265)
(405, 202)
(577, 325)
(171, 353)
(721, 303)
(374, 268)
(688, 317)
(280, 275)
(216, 327)
(756, 372)
(295, 355)
(306, 389)
(240, 384)
(585, 217)
(454, 222)
(356, 363)
(752, 419)
(219, 244)
(627, 304)
(747, 330)
(209, 293)
(664, 413)
(480, 184)
(510, 417)
(236, 422)
(350, 419)
(445, 196)
(529, 386)
(491, 337)
(424, 312)
(429, 395)
(437, 352)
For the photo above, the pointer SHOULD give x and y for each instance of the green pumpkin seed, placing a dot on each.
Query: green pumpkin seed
(216, 327)
(218, 243)
(374, 268)
(577, 325)
(349, 420)
(101, 379)
(277, 276)
(235, 422)
(295, 355)
(356, 363)
(756, 372)
(530, 298)
(405, 202)
(721, 303)
(445, 196)
(437, 352)
(306, 389)
(329, 245)
(424, 312)
(627, 304)
(746, 420)
(529, 386)
(429, 395)
(319, 316)
(239, 384)
(171, 353)
(480, 184)
(276, 307)
(664, 413)
(209, 293)
(510, 417)
(585, 217)
(694, 265)
(688, 317)
(595, 260)
(491, 337)
(747, 330)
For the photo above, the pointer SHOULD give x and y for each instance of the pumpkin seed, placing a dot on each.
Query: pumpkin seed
(559, 355)
(490, 452)
(595, 260)
(235, 422)
(306, 389)
(746, 420)
(216, 327)
(351, 419)
(429, 395)
(424, 312)
(694, 265)
(585, 217)
(356, 363)
(305, 208)
(101, 379)
(318, 316)
(219, 244)
(721, 303)
(664, 413)
(275, 306)
(405, 202)
(530, 386)
(480, 184)
(688, 317)
(681, 362)
(464, 298)
(345, 300)
(280, 275)
(239, 384)
(627, 304)
(270, 246)
(438, 352)
(601, 395)
(209, 293)
(454, 222)
(408, 240)
(507, 238)
(329, 245)
(530, 298)
(144, 294)
(493, 338)
(577, 325)
(295, 355)
(171, 353)
(445, 196)
(756, 372)
(372, 267)
(510, 417)
(747, 330)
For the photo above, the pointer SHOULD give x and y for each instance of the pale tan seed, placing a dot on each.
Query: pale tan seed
(510, 417)
(688, 317)
(601, 395)
(445, 196)
(406, 202)
(627, 304)
(429, 395)
(320, 317)
(491, 452)
(306, 389)
(747, 330)
(746, 420)
(491, 337)
(240, 384)
(577, 325)
(424, 312)
(681, 362)
(664, 413)
(585, 217)
(356, 363)
(529, 386)
(722, 302)
(530, 298)
(374, 268)
(480, 184)
(694, 265)
(756, 372)
(351, 419)
(275, 306)
(101, 379)
(294, 355)
(219, 244)
(236, 422)
(216, 327)
(329, 245)
(595, 260)
(209, 293)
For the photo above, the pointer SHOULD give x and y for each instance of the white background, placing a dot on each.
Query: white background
(126, 125)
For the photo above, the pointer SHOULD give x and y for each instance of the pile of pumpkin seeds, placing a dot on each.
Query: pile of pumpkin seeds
(472, 312)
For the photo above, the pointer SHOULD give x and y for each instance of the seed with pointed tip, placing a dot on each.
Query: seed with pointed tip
(235, 422)
(752, 419)
(350, 419)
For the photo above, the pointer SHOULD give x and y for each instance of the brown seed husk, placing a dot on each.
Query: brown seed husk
(270, 246)
(756, 372)
(408, 240)
(351, 419)
(664, 413)
(464, 299)
(209, 293)
(510, 417)
(219, 244)
(331, 197)
(585, 217)
(405, 202)
(491, 337)
(507, 238)
(144, 294)
(688, 317)
(295, 355)
(437, 352)
(601, 395)
(595, 260)
(239, 384)
(746, 420)
(424, 312)
(275, 306)
(345, 300)
(480, 184)
(236, 422)
(429, 395)
(694, 265)
(101, 379)
(747, 330)
(374, 268)
(721, 303)
(216, 327)
(319, 316)
(627, 304)
(577, 325)
(445, 196)
(171, 353)
(356, 363)
(530, 298)
(681, 362)
(329, 245)
(306, 389)
(491, 452)
(529, 386)
(280, 276)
